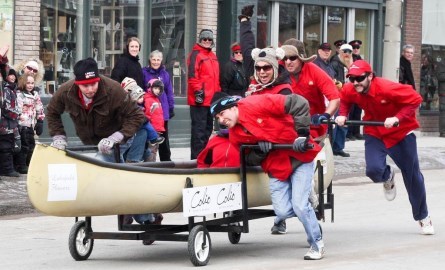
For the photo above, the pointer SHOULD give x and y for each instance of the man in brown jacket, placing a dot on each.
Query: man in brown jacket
(102, 112)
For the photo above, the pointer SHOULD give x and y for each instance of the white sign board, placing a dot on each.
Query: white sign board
(62, 182)
(201, 201)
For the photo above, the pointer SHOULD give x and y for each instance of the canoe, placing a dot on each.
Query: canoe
(70, 184)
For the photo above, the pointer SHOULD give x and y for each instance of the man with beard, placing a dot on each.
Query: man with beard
(394, 104)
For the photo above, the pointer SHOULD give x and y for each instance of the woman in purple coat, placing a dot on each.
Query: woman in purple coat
(155, 70)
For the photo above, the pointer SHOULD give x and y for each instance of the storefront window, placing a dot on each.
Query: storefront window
(336, 25)
(312, 32)
(167, 30)
(432, 76)
(6, 19)
(288, 23)
(362, 30)
(262, 24)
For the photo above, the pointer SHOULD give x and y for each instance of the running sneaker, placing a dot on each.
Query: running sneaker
(389, 187)
(426, 226)
(279, 228)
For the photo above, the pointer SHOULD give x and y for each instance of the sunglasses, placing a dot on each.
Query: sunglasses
(356, 47)
(358, 78)
(291, 58)
(32, 69)
(347, 51)
(237, 52)
(207, 39)
(265, 68)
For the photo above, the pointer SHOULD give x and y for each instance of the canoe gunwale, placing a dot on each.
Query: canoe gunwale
(164, 167)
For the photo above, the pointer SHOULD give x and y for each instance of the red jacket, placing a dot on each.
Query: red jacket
(219, 153)
(203, 74)
(156, 117)
(314, 84)
(384, 99)
(263, 118)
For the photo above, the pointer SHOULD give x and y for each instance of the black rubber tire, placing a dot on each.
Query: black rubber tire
(80, 247)
(198, 253)
(234, 237)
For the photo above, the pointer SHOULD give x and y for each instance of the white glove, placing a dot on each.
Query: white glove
(59, 142)
(105, 145)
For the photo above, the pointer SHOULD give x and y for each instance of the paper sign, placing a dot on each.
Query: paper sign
(201, 201)
(62, 182)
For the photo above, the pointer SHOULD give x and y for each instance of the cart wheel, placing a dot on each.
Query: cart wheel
(80, 247)
(234, 237)
(198, 251)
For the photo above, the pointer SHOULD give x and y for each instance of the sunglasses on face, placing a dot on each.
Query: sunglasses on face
(291, 58)
(356, 47)
(265, 68)
(32, 69)
(237, 52)
(347, 51)
(358, 78)
(207, 39)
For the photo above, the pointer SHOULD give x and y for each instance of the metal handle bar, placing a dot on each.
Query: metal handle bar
(359, 123)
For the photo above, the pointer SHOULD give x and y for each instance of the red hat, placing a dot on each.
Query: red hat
(358, 68)
(236, 47)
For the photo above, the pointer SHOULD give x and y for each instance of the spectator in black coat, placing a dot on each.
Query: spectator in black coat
(233, 78)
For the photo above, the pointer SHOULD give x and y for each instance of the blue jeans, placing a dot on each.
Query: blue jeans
(144, 218)
(338, 137)
(152, 134)
(290, 198)
(110, 158)
(137, 149)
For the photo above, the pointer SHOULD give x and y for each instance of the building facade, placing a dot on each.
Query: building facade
(60, 32)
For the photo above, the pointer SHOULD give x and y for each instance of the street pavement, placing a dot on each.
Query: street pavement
(368, 232)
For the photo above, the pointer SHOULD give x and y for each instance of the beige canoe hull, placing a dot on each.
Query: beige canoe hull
(96, 189)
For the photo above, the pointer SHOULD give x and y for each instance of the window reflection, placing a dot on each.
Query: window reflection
(336, 25)
(262, 24)
(432, 76)
(312, 28)
(288, 24)
(362, 30)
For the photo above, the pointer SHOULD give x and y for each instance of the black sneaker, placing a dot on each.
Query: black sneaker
(12, 174)
(341, 153)
(279, 228)
(158, 141)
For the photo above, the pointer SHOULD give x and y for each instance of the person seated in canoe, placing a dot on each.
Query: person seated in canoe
(278, 119)
(102, 112)
(219, 152)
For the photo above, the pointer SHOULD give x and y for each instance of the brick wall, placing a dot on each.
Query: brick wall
(27, 29)
(207, 17)
(412, 34)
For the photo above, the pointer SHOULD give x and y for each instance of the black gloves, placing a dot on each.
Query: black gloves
(39, 127)
(199, 97)
(265, 146)
(246, 12)
(17, 144)
(317, 118)
(171, 112)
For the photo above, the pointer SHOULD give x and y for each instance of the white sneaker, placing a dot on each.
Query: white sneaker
(313, 254)
(389, 187)
(426, 226)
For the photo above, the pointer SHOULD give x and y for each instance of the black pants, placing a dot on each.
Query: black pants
(6, 153)
(202, 126)
(354, 114)
(28, 143)
(164, 148)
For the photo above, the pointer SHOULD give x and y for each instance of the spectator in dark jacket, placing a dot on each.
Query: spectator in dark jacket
(406, 73)
(233, 78)
(128, 66)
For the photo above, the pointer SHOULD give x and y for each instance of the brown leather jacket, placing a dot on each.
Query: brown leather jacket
(112, 110)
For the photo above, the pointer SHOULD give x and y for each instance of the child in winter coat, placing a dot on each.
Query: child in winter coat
(137, 94)
(9, 133)
(153, 110)
(30, 121)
